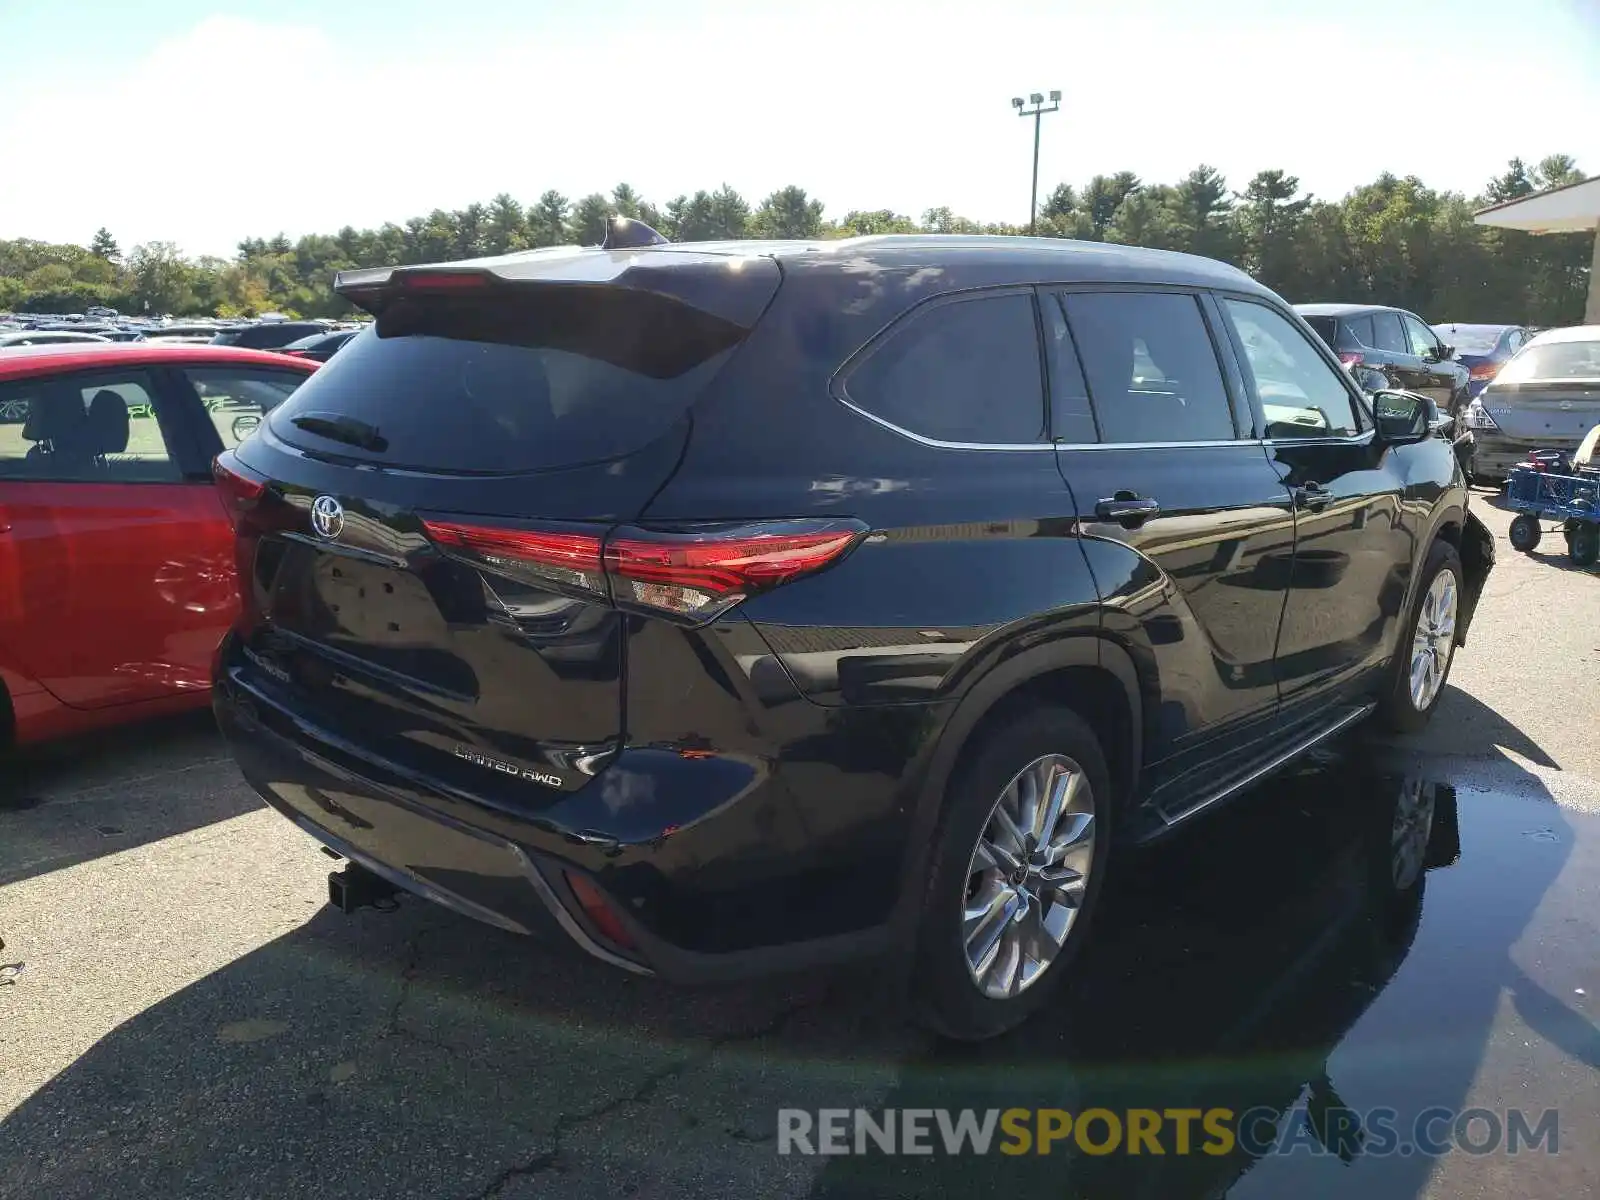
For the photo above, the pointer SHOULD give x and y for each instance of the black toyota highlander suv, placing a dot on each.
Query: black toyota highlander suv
(732, 607)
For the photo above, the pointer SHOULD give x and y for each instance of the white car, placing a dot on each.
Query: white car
(46, 337)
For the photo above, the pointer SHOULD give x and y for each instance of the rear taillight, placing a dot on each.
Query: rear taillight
(691, 574)
(241, 489)
(1485, 370)
(701, 573)
(549, 555)
(1349, 358)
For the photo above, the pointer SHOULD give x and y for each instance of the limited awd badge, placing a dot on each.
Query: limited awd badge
(505, 768)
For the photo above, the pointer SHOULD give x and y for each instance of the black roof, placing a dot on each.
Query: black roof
(971, 260)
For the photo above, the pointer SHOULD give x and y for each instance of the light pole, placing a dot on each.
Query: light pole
(1036, 109)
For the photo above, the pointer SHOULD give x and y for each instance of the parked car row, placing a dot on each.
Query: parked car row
(261, 334)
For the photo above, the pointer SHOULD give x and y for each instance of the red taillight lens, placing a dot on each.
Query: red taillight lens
(700, 573)
(693, 574)
(1349, 358)
(241, 489)
(1485, 370)
(568, 558)
(598, 909)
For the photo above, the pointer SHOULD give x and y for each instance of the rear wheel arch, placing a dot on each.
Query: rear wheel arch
(1088, 674)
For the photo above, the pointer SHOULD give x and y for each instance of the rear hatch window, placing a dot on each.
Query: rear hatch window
(1555, 361)
(1548, 393)
(1327, 329)
(512, 380)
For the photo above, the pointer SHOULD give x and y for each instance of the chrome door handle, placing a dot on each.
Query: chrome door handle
(1127, 508)
(1312, 496)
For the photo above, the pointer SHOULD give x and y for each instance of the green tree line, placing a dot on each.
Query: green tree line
(1392, 241)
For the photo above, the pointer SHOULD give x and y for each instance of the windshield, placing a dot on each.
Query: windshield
(1554, 360)
(1470, 339)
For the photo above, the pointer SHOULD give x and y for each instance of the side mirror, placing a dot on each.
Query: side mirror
(1402, 417)
(1447, 352)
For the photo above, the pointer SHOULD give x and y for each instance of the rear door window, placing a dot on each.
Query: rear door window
(88, 428)
(964, 370)
(1150, 366)
(1327, 329)
(510, 381)
(1388, 334)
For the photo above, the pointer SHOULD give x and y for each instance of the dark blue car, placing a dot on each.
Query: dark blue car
(1482, 349)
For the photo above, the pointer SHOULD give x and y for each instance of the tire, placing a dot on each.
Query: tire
(1583, 545)
(1525, 533)
(1399, 710)
(947, 995)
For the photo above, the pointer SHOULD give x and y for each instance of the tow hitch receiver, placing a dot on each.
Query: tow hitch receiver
(356, 887)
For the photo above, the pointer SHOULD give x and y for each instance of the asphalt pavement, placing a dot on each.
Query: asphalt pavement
(181, 1015)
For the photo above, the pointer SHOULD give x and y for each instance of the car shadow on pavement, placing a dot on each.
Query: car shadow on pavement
(1269, 962)
(1464, 725)
(77, 799)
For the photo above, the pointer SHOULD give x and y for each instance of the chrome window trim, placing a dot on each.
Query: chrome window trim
(937, 444)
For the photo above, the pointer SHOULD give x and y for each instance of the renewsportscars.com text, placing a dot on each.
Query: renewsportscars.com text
(1259, 1132)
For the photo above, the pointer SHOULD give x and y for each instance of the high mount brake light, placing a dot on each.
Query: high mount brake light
(691, 574)
(442, 281)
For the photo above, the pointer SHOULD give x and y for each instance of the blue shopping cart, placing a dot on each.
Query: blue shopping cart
(1553, 486)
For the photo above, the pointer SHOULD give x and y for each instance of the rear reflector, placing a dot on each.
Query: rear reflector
(692, 574)
(598, 909)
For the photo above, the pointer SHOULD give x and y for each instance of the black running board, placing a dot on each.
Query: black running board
(1345, 719)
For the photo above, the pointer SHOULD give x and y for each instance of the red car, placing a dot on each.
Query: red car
(116, 557)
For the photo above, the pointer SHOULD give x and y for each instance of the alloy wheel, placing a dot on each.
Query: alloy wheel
(1028, 874)
(1433, 641)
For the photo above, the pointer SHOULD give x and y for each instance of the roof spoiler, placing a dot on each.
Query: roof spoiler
(372, 288)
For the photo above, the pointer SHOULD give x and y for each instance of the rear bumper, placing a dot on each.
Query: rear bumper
(1494, 454)
(511, 869)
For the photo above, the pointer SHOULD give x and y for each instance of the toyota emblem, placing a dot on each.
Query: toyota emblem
(327, 517)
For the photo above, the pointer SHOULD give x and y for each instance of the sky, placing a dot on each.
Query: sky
(202, 123)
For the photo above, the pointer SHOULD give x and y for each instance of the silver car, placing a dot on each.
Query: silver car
(1546, 397)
